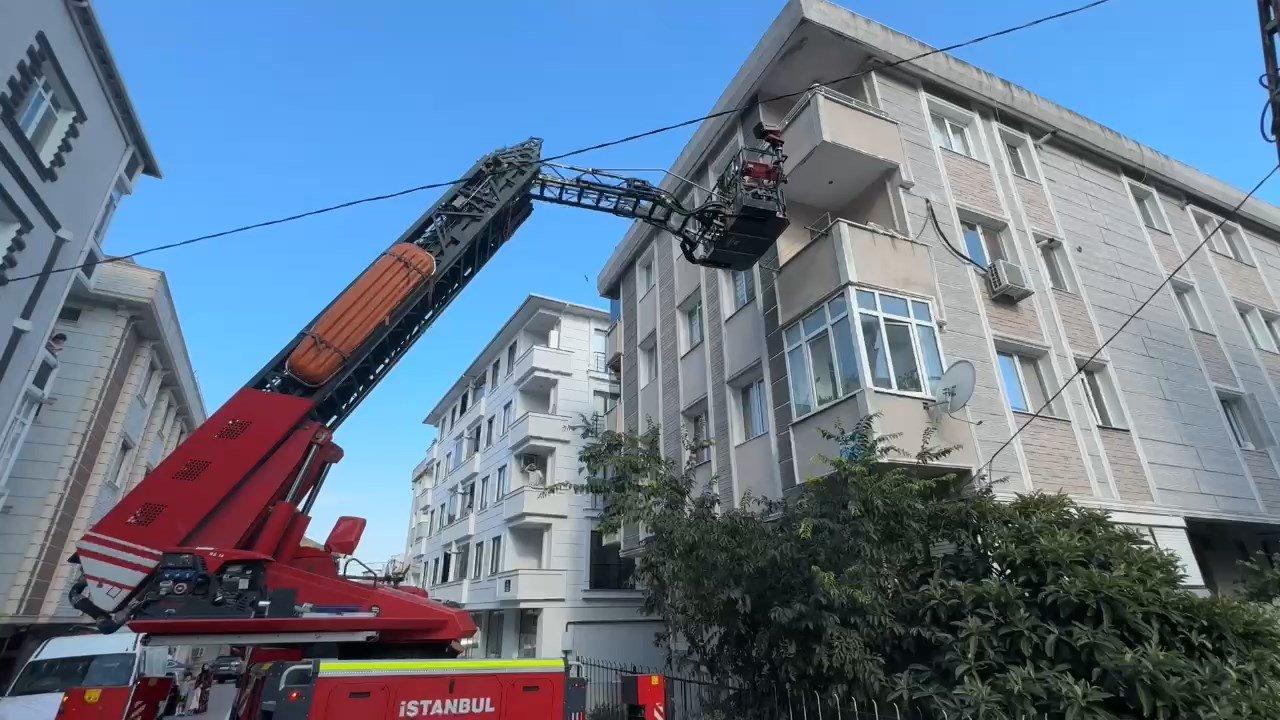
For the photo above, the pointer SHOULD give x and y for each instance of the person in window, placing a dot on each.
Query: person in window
(56, 343)
(536, 478)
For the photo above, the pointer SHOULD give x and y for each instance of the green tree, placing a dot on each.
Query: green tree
(900, 582)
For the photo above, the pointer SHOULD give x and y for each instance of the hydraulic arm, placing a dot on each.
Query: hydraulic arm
(211, 541)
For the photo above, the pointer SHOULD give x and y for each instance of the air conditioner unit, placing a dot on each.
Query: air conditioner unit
(1007, 280)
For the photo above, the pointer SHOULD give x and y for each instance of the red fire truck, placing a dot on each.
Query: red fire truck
(208, 548)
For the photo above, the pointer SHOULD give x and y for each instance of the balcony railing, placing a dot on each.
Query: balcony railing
(531, 584)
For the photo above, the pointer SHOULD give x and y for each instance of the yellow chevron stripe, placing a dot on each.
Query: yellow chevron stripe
(374, 666)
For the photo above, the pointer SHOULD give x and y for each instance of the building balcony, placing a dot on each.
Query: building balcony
(613, 347)
(462, 528)
(542, 366)
(529, 584)
(540, 433)
(837, 146)
(533, 506)
(455, 591)
(468, 468)
(850, 252)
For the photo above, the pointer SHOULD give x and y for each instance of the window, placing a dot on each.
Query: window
(1189, 304)
(477, 391)
(511, 357)
(602, 402)
(500, 483)
(1024, 384)
(468, 498)
(473, 440)
(446, 565)
(609, 571)
(493, 634)
(497, 368)
(648, 364)
(1236, 245)
(1019, 157)
(506, 417)
(39, 114)
(1056, 264)
(1101, 397)
(444, 520)
(528, 633)
(822, 360)
(744, 287)
(462, 564)
(484, 492)
(488, 430)
(982, 243)
(454, 499)
(900, 341)
(435, 571)
(118, 191)
(599, 350)
(478, 563)
(751, 407)
(692, 322)
(1238, 423)
(1260, 331)
(695, 426)
(1148, 208)
(951, 134)
(431, 522)
(495, 555)
(644, 277)
(69, 314)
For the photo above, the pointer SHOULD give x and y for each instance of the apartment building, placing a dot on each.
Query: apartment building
(537, 576)
(114, 394)
(939, 213)
(71, 148)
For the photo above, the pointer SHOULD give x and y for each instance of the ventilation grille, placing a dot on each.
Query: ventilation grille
(233, 429)
(146, 514)
(191, 470)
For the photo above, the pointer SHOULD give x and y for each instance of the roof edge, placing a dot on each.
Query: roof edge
(117, 94)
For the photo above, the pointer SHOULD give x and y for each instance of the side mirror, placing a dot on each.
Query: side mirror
(345, 535)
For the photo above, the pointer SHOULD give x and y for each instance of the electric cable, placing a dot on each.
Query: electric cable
(1128, 319)
(570, 153)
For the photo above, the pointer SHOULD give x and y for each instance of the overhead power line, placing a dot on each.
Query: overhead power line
(570, 153)
(1128, 319)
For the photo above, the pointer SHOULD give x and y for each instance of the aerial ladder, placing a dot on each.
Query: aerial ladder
(208, 548)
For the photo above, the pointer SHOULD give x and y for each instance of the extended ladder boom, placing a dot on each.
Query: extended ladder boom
(211, 541)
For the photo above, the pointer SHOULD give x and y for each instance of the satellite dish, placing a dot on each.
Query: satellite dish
(954, 389)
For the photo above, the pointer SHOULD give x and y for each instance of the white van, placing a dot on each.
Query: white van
(78, 660)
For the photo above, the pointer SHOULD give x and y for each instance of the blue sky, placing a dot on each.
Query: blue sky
(263, 109)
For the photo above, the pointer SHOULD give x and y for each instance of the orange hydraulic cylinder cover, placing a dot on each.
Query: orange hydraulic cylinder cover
(368, 303)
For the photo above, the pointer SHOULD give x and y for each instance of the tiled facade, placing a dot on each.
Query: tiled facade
(485, 532)
(893, 179)
(116, 394)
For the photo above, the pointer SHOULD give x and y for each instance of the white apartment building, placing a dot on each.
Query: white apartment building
(529, 565)
(114, 393)
(1049, 230)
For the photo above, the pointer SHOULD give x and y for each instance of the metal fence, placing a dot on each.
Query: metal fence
(690, 698)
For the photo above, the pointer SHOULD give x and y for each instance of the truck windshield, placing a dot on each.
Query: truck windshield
(61, 674)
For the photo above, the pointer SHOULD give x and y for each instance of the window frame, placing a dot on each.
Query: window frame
(741, 293)
(1260, 332)
(1101, 397)
(759, 409)
(913, 323)
(697, 430)
(1237, 421)
(1021, 360)
(990, 238)
(1148, 213)
(495, 555)
(1192, 309)
(1019, 146)
(477, 562)
(1056, 262)
(646, 278)
(647, 364)
(692, 329)
(943, 128)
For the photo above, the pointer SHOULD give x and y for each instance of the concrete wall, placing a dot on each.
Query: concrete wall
(59, 204)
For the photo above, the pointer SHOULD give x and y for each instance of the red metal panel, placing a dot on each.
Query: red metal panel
(187, 487)
(94, 703)
(505, 696)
